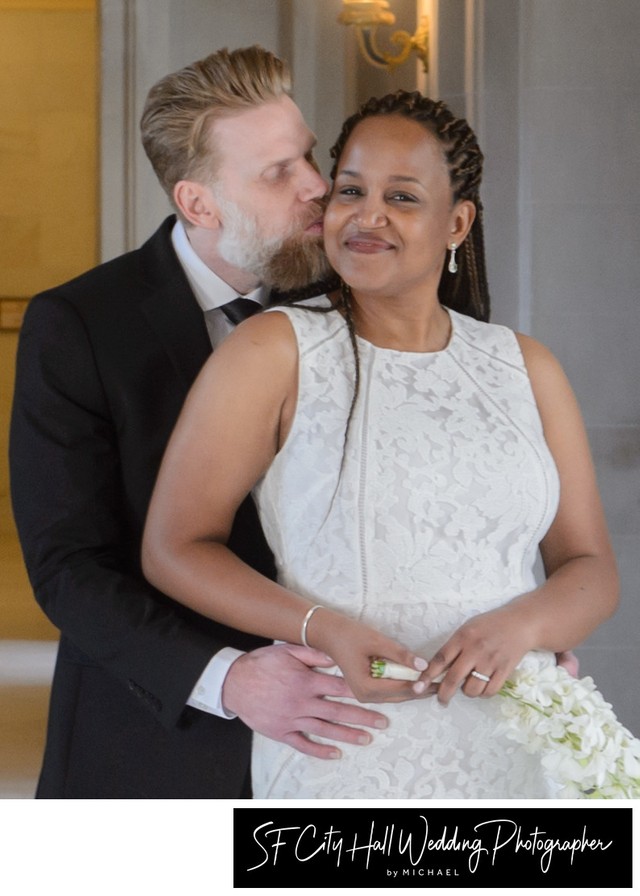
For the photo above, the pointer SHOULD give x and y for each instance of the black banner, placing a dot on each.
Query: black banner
(433, 847)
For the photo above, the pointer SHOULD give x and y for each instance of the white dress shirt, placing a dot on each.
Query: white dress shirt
(211, 293)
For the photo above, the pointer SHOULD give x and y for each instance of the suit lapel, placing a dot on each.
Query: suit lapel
(171, 308)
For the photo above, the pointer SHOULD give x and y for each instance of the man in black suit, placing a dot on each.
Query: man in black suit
(150, 700)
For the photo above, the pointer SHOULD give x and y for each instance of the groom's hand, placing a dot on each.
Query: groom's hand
(275, 691)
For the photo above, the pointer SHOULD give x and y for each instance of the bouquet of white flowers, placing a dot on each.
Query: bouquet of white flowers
(583, 747)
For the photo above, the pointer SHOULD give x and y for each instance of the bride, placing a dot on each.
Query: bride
(408, 462)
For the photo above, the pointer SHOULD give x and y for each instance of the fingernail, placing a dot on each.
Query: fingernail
(335, 754)
(381, 723)
(419, 686)
(420, 663)
(364, 739)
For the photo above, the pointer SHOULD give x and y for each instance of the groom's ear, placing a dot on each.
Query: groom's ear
(196, 204)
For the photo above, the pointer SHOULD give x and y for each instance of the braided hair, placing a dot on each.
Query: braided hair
(467, 291)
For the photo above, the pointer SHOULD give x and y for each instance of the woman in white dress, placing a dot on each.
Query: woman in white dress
(408, 462)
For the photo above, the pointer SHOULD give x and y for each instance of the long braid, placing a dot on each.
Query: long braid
(346, 306)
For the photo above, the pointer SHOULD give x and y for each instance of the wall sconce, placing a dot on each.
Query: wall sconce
(366, 15)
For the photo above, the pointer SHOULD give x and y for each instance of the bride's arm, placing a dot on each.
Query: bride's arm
(581, 587)
(235, 419)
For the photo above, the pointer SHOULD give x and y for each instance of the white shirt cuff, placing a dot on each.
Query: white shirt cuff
(207, 694)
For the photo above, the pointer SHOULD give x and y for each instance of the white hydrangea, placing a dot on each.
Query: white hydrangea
(584, 749)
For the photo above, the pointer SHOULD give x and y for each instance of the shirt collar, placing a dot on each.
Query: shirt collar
(209, 289)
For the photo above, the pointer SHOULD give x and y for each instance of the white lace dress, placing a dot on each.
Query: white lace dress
(446, 489)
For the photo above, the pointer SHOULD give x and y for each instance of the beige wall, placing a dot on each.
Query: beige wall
(48, 207)
(48, 102)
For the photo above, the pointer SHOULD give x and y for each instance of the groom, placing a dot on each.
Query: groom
(150, 700)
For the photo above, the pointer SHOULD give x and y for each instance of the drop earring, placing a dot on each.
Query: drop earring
(453, 266)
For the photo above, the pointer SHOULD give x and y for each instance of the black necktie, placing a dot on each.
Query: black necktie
(239, 309)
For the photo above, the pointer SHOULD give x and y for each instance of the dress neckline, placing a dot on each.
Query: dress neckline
(406, 353)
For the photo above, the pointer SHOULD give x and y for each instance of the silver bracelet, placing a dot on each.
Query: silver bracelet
(305, 623)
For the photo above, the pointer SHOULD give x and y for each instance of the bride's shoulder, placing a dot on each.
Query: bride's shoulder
(312, 321)
(549, 382)
(260, 354)
(269, 332)
(539, 360)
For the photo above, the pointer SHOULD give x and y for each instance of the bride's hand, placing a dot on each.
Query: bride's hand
(479, 657)
(353, 645)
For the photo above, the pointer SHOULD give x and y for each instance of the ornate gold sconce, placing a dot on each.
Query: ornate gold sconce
(366, 16)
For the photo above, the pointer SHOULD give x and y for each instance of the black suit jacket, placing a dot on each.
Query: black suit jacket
(104, 364)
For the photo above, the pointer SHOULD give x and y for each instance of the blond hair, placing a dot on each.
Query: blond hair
(181, 107)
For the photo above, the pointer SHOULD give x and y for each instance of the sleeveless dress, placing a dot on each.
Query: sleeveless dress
(430, 514)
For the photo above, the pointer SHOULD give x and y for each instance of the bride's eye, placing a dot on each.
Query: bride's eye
(349, 191)
(402, 197)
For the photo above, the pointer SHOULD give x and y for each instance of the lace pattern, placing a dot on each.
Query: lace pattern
(446, 489)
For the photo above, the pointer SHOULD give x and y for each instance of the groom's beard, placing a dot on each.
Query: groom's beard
(300, 261)
(285, 262)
